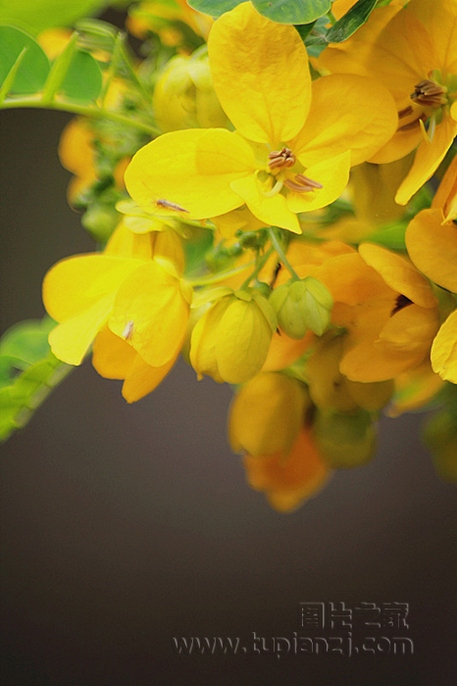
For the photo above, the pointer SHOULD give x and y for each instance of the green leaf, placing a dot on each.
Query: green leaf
(351, 21)
(33, 69)
(27, 341)
(83, 80)
(36, 15)
(292, 11)
(214, 7)
(28, 372)
(19, 400)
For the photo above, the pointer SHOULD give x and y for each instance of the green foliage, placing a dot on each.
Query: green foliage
(292, 11)
(213, 7)
(351, 21)
(36, 15)
(25, 69)
(28, 372)
(33, 69)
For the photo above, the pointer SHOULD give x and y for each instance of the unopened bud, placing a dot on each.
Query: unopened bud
(184, 97)
(302, 305)
(346, 439)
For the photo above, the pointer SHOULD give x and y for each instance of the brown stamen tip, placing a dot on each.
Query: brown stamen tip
(429, 94)
(413, 124)
(281, 159)
(302, 184)
(401, 302)
(405, 112)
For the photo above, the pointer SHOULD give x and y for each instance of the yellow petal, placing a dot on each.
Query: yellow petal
(433, 247)
(191, 169)
(393, 47)
(71, 340)
(289, 479)
(77, 283)
(204, 339)
(348, 112)
(399, 274)
(114, 358)
(428, 156)
(444, 350)
(367, 363)
(243, 339)
(332, 174)
(271, 210)
(410, 329)
(151, 310)
(260, 74)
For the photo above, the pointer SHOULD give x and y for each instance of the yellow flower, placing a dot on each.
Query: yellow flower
(134, 287)
(294, 141)
(432, 245)
(389, 311)
(413, 53)
(230, 341)
(289, 478)
(77, 154)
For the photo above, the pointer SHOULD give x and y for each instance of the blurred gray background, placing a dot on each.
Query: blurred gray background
(123, 526)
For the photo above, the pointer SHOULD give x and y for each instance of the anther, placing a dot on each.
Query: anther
(302, 184)
(428, 93)
(281, 159)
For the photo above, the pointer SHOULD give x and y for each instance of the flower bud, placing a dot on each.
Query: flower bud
(346, 439)
(302, 305)
(267, 413)
(184, 97)
(440, 437)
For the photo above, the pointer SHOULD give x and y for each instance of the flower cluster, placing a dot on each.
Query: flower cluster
(291, 229)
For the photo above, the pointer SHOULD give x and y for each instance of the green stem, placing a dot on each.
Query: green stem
(260, 265)
(209, 279)
(281, 254)
(96, 113)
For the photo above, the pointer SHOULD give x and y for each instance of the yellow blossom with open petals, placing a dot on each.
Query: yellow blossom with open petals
(413, 52)
(134, 287)
(294, 141)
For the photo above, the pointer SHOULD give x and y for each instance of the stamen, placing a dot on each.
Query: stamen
(128, 331)
(405, 112)
(413, 124)
(429, 94)
(281, 159)
(167, 205)
(302, 184)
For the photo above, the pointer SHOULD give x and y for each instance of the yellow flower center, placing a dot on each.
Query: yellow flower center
(278, 162)
(428, 93)
(281, 159)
